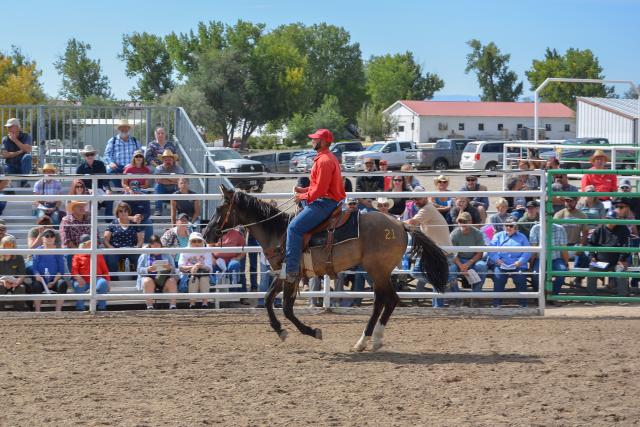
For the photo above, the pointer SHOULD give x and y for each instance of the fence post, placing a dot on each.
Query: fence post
(94, 247)
(39, 140)
(148, 125)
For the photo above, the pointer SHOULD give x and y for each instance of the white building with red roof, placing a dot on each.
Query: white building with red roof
(428, 121)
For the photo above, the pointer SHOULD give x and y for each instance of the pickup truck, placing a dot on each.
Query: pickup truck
(394, 152)
(230, 161)
(574, 158)
(274, 162)
(445, 154)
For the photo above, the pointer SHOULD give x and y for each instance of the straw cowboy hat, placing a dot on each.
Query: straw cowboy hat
(440, 178)
(379, 200)
(598, 153)
(169, 153)
(88, 149)
(124, 123)
(49, 167)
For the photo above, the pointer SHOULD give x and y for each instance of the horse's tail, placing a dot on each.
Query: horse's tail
(433, 259)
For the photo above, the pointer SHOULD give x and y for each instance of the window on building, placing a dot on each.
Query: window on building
(480, 126)
(567, 128)
(412, 125)
(547, 127)
(400, 128)
(500, 126)
(519, 126)
(460, 126)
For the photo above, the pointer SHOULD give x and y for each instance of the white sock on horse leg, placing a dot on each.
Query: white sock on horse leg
(378, 334)
(362, 343)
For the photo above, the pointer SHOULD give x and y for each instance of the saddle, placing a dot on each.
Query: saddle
(340, 226)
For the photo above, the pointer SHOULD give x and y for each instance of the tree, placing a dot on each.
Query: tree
(328, 116)
(298, 127)
(147, 57)
(393, 77)
(374, 124)
(492, 70)
(575, 63)
(81, 76)
(19, 79)
(333, 66)
(630, 93)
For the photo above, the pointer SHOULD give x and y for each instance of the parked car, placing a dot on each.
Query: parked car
(445, 154)
(575, 158)
(338, 148)
(482, 155)
(66, 159)
(229, 160)
(302, 162)
(275, 162)
(394, 152)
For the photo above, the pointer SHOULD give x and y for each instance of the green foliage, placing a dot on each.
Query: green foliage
(19, 79)
(394, 77)
(492, 70)
(575, 63)
(328, 116)
(81, 76)
(298, 127)
(630, 93)
(263, 142)
(146, 56)
(374, 124)
(193, 101)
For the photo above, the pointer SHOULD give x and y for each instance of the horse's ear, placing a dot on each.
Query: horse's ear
(226, 193)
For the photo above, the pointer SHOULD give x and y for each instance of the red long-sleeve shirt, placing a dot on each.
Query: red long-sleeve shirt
(602, 183)
(326, 179)
(81, 266)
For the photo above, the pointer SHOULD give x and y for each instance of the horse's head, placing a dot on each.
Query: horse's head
(224, 217)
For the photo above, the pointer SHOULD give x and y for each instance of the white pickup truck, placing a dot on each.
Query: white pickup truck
(394, 152)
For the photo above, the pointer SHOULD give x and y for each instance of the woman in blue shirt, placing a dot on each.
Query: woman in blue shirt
(49, 271)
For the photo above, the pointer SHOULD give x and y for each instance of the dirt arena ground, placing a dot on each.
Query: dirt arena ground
(142, 369)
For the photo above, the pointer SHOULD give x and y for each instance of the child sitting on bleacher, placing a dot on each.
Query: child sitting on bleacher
(195, 269)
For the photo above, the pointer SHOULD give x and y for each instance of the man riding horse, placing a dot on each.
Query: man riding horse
(319, 199)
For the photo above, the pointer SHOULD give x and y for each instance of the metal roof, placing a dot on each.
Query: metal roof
(485, 109)
(626, 107)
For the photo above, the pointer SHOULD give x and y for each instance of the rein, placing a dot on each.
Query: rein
(226, 217)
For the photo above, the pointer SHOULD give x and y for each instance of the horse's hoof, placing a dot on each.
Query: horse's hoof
(360, 345)
(283, 334)
(318, 332)
(377, 346)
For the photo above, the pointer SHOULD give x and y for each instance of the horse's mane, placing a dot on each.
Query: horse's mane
(262, 211)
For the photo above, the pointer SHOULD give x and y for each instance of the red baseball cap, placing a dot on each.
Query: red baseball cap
(324, 134)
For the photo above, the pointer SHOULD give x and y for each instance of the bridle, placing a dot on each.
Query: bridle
(221, 230)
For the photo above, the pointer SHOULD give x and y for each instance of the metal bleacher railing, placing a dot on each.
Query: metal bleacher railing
(325, 293)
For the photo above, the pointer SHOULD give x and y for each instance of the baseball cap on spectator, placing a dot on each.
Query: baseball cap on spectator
(84, 239)
(621, 201)
(625, 183)
(569, 198)
(511, 220)
(182, 216)
(533, 204)
(612, 214)
(324, 134)
(590, 188)
(12, 122)
(49, 232)
(195, 236)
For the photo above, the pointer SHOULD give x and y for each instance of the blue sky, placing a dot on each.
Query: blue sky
(435, 31)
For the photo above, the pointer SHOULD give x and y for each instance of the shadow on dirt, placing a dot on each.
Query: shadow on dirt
(429, 358)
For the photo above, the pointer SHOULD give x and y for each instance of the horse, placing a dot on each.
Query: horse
(379, 248)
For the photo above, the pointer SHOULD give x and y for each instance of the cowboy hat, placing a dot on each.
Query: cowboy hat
(88, 149)
(169, 153)
(124, 123)
(379, 200)
(598, 153)
(72, 204)
(49, 167)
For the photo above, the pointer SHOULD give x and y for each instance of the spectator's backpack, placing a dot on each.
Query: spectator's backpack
(133, 138)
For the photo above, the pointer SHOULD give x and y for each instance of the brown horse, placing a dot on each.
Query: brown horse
(379, 248)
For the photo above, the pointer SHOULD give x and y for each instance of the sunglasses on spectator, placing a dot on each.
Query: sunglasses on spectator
(138, 157)
(122, 210)
(472, 179)
(90, 155)
(510, 225)
(462, 223)
(383, 205)
(398, 179)
(443, 182)
(49, 236)
(620, 206)
(79, 186)
(368, 163)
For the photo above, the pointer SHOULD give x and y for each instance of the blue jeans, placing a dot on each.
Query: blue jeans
(115, 183)
(265, 281)
(557, 264)
(102, 287)
(500, 281)
(311, 216)
(23, 169)
(479, 266)
(147, 228)
(253, 264)
(417, 274)
(233, 268)
(164, 189)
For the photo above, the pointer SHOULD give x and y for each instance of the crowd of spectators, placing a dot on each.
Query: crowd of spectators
(449, 221)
